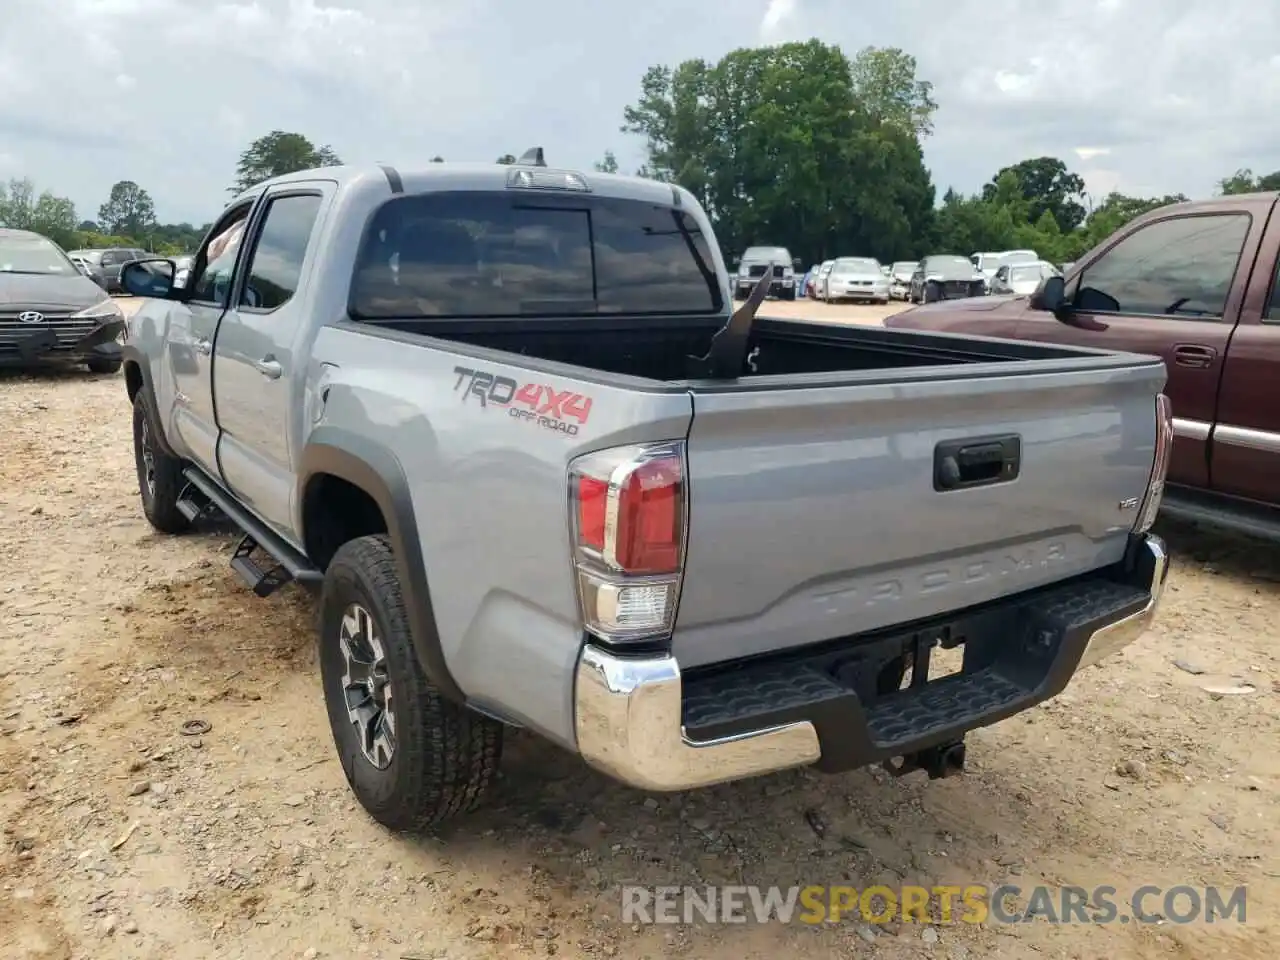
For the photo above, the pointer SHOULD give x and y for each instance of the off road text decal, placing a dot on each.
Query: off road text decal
(560, 410)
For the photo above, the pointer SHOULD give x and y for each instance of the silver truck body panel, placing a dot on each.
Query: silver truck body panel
(814, 515)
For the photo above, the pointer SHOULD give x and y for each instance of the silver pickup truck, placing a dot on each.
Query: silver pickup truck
(507, 422)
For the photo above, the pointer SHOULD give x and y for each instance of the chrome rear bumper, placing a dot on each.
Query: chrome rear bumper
(630, 712)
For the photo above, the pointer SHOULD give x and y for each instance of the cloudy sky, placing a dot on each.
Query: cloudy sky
(1146, 96)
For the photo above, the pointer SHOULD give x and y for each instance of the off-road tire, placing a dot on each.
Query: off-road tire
(161, 504)
(445, 755)
(104, 365)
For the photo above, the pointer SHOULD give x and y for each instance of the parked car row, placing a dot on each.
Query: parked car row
(937, 277)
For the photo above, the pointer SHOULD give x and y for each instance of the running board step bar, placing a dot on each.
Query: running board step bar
(289, 563)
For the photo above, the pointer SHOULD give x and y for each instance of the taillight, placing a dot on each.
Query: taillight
(1160, 468)
(629, 508)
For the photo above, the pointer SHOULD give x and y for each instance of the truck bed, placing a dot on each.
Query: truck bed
(662, 349)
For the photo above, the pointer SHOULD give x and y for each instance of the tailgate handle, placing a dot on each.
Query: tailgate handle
(976, 462)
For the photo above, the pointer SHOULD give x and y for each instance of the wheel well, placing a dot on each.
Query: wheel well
(335, 511)
(132, 379)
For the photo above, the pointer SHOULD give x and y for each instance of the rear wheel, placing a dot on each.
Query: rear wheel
(160, 479)
(412, 757)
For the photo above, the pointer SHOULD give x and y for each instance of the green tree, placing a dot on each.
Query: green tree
(276, 154)
(1046, 184)
(45, 213)
(128, 210)
(609, 164)
(507, 159)
(1243, 181)
(777, 146)
(885, 83)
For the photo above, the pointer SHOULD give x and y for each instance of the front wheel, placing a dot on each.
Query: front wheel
(412, 757)
(929, 294)
(160, 479)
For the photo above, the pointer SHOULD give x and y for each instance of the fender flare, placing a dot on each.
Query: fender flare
(132, 356)
(369, 465)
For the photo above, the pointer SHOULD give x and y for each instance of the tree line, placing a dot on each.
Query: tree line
(798, 144)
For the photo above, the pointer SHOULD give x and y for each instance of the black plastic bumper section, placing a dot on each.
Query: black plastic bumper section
(1016, 653)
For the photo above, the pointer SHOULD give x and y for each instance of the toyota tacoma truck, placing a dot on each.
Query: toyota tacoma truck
(506, 421)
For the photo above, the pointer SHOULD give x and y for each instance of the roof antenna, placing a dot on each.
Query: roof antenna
(728, 354)
(532, 158)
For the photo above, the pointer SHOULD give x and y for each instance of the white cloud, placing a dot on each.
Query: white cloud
(775, 16)
(1175, 90)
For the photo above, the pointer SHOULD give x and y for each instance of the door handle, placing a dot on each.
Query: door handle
(1194, 355)
(203, 347)
(269, 368)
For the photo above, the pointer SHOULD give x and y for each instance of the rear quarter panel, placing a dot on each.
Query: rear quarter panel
(490, 493)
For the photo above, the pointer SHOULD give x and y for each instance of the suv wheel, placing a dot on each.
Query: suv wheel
(412, 757)
(160, 479)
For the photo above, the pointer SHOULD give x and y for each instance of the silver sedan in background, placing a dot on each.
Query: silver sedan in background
(855, 278)
(900, 278)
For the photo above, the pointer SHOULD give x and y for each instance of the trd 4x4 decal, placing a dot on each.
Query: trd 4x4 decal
(538, 403)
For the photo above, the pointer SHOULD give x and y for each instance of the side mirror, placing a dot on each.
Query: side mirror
(797, 264)
(148, 278)
(1050, 295)
(735, 261)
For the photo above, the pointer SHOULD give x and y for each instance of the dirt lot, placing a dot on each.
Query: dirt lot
(123, 838)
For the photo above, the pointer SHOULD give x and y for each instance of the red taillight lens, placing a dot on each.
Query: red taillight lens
(629, 521)
(593, 502)
(650, 518)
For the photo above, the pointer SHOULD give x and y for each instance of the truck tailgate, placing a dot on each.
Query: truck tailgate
(814, 513)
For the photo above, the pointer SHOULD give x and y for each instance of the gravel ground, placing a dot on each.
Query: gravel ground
(124, 838)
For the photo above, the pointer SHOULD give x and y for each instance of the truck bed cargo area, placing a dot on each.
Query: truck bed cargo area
(667, 349)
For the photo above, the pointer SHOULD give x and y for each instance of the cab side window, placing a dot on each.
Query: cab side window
(275, 264)
(1177, 268)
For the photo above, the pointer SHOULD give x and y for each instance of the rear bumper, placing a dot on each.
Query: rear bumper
(641, 721)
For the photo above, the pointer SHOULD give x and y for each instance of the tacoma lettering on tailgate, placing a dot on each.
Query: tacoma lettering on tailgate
(537, 403)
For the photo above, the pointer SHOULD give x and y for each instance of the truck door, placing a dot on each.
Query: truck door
(1167, 287)
(1245, 458)
(258, 376)
(193, 327)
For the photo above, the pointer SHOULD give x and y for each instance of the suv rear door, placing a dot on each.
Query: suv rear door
(1169, 286)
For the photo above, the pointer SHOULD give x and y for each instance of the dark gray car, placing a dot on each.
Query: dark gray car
(946, 277)
(50, 311)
